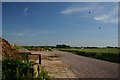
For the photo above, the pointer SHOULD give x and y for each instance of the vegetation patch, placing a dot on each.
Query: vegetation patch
(38, 48)
(106, 54)
(15, 69)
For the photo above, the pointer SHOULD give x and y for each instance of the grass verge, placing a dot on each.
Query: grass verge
(112, 57)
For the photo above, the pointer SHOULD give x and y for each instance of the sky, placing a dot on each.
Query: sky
(51, 23)
(60, 0)
(0, 19)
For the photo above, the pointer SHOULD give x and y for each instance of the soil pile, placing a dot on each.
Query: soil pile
(7, 50)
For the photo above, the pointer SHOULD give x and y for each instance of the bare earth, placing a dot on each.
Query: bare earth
(55, 67)
(78, 66)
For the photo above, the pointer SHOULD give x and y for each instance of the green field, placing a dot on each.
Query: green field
(97, 50)
(107, 54)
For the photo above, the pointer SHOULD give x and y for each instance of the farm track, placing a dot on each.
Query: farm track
(85, 67)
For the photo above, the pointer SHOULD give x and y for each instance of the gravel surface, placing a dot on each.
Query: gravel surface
(85, 67)
(51, 63)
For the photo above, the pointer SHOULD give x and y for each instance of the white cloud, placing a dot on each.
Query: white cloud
(46, 32)
(25, 33)
(26, 10)
(98, 10)
(109, 17)
(20, 34)
(30, 33)
(75, 10)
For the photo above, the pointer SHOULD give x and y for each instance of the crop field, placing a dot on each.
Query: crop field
(107, 54)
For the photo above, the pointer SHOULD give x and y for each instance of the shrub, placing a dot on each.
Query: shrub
(15, 69)
(43, 74)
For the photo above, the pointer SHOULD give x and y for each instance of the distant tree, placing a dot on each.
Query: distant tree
(62, 46)
(88, 47)
(109, 47)
(58, 46)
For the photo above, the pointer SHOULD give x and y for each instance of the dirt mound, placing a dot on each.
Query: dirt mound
(8, 50)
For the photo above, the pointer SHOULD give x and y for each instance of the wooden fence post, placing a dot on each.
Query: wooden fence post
(35, 67)
(39, 58)
(17, 72)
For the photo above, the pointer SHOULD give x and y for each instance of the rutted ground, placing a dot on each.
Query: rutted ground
(59, 63)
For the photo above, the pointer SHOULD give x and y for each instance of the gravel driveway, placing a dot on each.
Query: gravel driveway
(85, 67)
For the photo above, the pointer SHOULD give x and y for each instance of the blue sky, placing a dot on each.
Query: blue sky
(60, 0)
(0, 19)
(52, 23)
